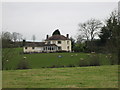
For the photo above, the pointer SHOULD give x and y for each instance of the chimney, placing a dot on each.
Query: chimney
(47, 36)
(67, 35)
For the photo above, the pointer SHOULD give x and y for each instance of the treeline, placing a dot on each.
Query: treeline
(94, 36)
(11, 40)
(108, 36)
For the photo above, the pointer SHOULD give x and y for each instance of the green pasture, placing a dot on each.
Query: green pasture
(41, 60)
(73, 77)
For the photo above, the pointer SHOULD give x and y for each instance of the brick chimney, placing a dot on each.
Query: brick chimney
(47, 36)
(67, 35)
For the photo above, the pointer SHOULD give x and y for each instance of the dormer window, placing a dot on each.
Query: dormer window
(33, 47)
(59, 42)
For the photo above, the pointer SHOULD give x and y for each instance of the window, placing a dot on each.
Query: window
(48, 42)
(53, 42)
(68, 47)
(44, 48)
(25, 47)
(52, 48)
(67, 42)
(33, 47)
(59, 42)
(59, 48)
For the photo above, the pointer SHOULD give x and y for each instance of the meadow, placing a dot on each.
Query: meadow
(69, 77)
(43, 60)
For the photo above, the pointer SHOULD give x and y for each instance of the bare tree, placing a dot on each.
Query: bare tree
(33, 38)
(6, 35)
(6, 48)
(84, 32)
(14, 36)
(90, 29)
(80, 38)
(19, 36)
(6, 38)
(94, 27)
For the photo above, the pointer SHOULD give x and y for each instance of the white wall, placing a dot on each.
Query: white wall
(63, 44)
(36, 49)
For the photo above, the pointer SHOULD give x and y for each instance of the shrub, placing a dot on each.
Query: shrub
(71, 65)
(83, 63)
(113, 59)
(94, 60)
(23, 64)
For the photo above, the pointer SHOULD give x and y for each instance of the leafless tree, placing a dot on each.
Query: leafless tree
(14, 36)
(90, 29)
(84, 32)
(80, 38)
(6, 38)
(94, 27)
(33, 38)
(19, 36)
(6, 35)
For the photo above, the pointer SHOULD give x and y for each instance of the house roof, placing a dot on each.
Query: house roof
(57, 37)
(38, 44)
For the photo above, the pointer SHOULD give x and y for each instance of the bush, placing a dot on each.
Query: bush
(91, 60)
(23, 64)
(113, 59)
(71, 65)
(83, 63)
(94, 60)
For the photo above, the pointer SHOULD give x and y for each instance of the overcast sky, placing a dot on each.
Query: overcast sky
(42, 18)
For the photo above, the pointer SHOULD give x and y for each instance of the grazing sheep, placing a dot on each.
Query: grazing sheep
(110, 56)
(88, 54)
(81, 59)
(59, 56)
(24, 57)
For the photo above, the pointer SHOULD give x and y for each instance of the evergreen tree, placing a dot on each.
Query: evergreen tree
(110, 36)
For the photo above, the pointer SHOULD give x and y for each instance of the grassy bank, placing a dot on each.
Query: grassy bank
(74, 77)
(52, 59)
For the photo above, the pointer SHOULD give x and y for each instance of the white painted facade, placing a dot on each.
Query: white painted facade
(32, 49)
(40, 49)
(65, 44)
(51, 44)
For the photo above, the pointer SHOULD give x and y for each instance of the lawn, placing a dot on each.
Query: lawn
(40, 60)
(72, 77)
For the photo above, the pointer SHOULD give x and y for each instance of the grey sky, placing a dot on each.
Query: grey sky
(41, 19)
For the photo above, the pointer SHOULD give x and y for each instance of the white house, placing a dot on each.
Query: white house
(63, 43)
(51, 44)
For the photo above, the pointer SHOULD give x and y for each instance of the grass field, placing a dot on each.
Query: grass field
(74, 77)
(49, 59)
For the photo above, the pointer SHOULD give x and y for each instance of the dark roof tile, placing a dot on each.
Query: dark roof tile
(57, 37)
(38, 44)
